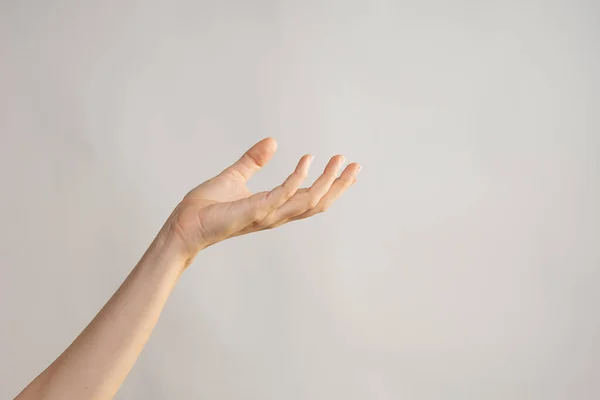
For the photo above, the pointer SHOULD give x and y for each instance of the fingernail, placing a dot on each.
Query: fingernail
(358, 170)
(310, 159)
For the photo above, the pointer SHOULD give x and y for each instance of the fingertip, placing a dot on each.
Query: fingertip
(270, 142)
(334, 164)
(352, 166)
(305, 161)
(260, 154)
(351, 170)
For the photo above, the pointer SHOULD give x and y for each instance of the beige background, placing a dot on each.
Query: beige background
(464, 265)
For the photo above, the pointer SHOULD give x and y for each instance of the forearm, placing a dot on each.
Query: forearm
(97, 362)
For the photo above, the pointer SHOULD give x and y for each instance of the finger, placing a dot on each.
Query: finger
(305, 199)
(346, 179)
(261, 204)
(278, 196)
(324, 182)
(253, 159)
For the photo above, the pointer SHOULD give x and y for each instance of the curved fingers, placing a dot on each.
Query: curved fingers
(306, 199)
(278, 196)
(256, 207)
(341, 184)
(287, 203)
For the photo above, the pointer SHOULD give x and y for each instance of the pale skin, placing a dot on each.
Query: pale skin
(95, 365)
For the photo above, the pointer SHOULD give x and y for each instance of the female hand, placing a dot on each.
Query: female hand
(223, 207)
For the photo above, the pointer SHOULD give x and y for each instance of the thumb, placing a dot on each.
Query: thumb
(253, 159)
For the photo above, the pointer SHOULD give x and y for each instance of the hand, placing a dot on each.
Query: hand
(223, 207)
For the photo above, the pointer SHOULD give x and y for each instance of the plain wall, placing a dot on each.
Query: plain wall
(464, 264)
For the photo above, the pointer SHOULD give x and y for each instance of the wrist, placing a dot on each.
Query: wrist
(171, 251)
(171, 243)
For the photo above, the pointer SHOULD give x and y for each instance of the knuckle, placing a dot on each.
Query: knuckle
(288, 188)
(312, 202)
(251, 159)
(289, 192)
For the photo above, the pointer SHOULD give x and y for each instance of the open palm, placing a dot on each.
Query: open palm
(223, 207)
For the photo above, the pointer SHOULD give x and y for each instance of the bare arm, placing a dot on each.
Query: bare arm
(97, 362)
(95, 365)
